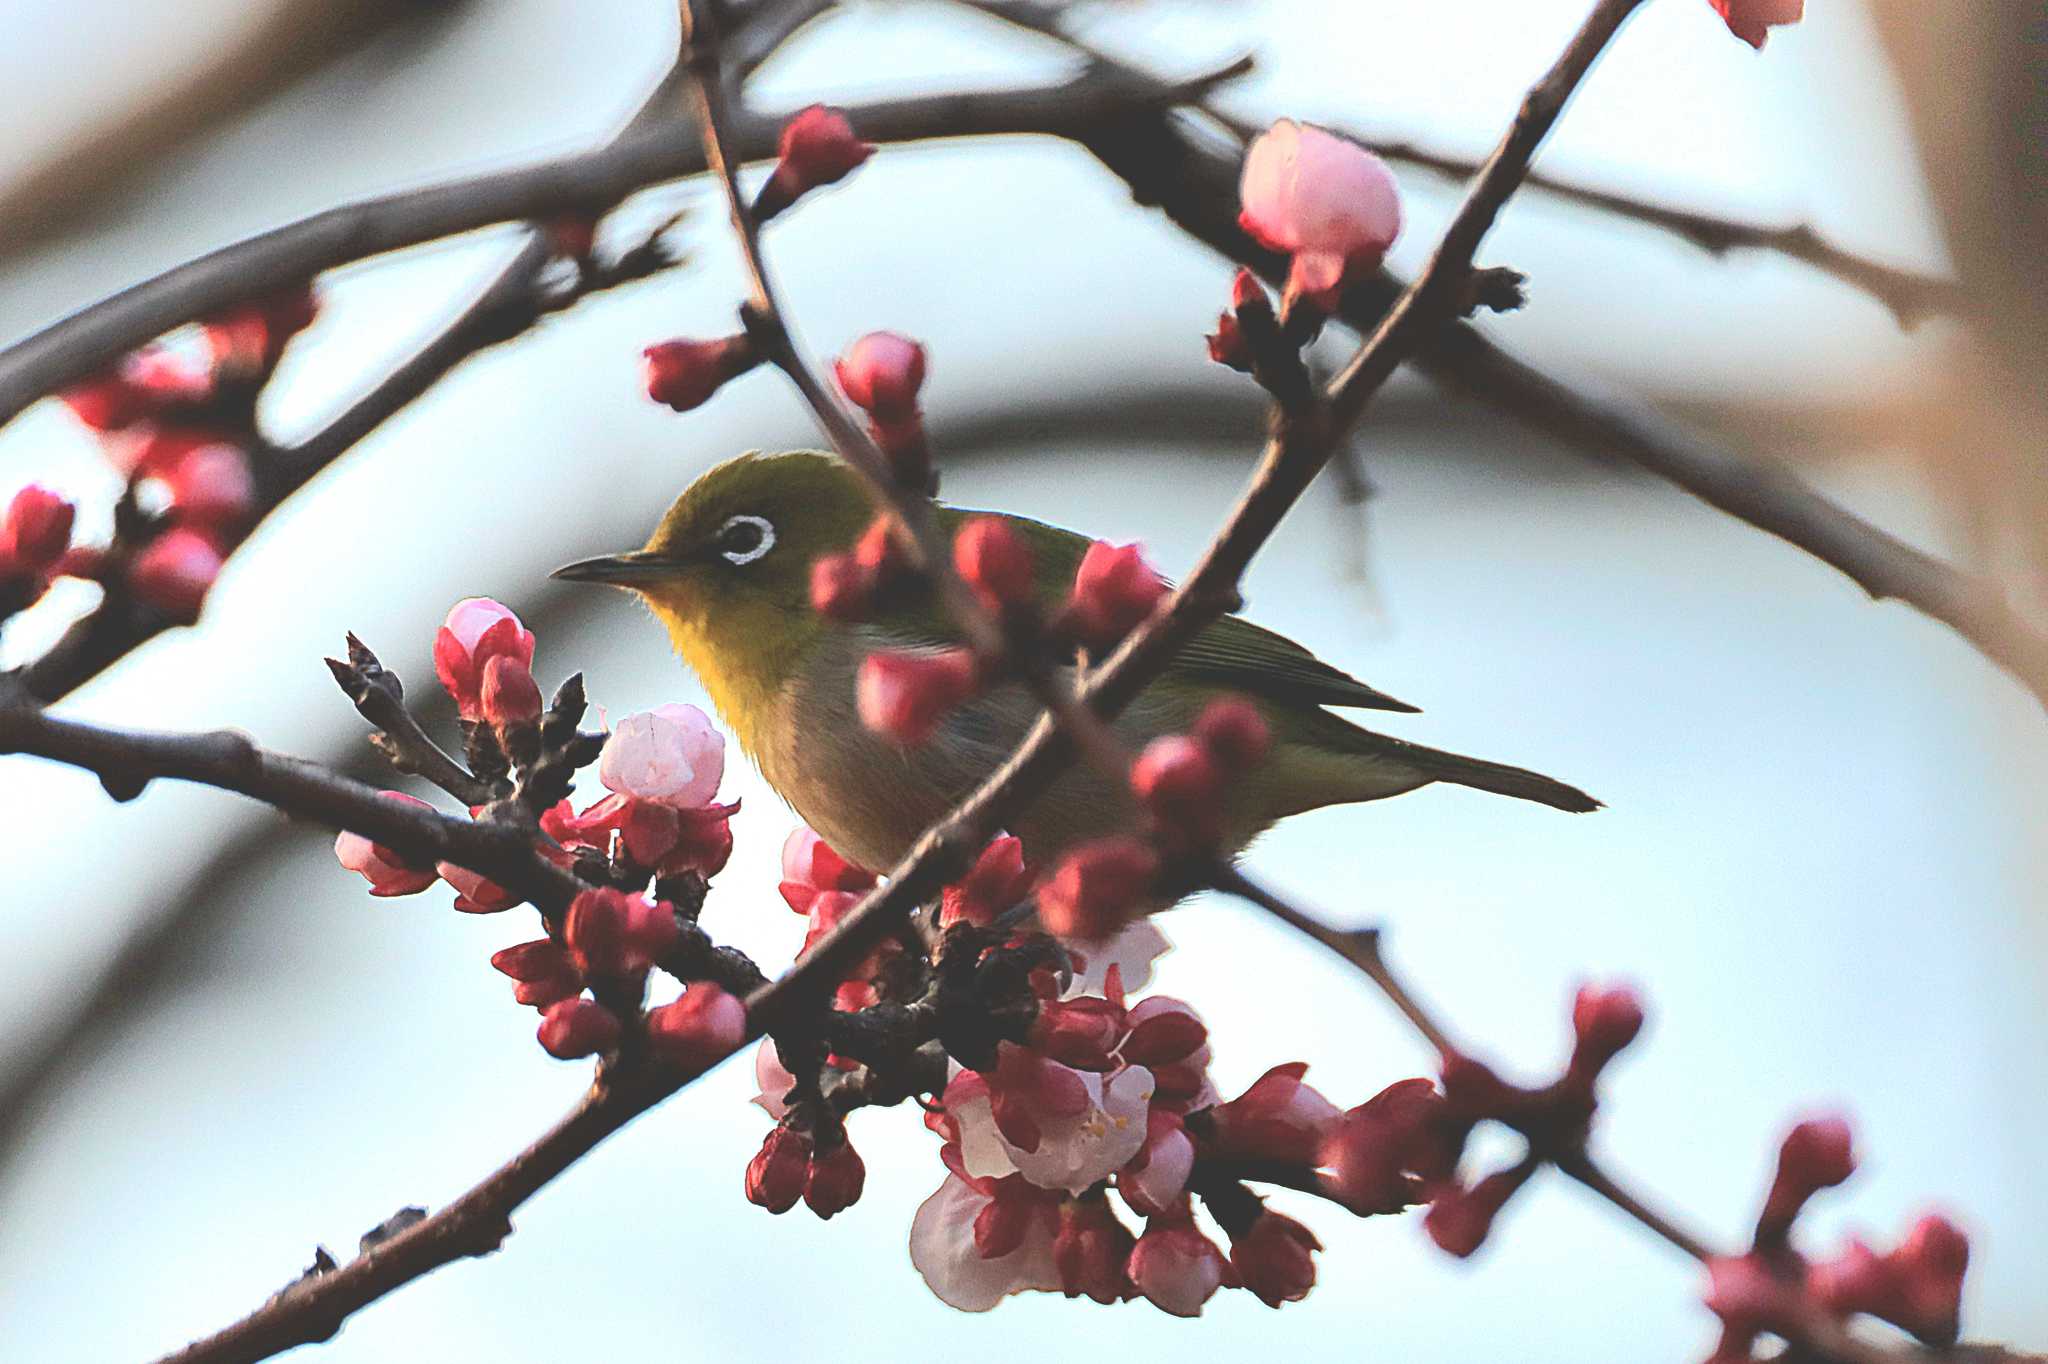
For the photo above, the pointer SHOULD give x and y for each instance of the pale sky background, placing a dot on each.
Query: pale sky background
(1822, 859)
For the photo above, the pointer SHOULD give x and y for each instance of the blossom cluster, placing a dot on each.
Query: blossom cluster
(660, 825)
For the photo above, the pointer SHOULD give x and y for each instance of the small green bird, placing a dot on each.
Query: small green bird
(728, 572)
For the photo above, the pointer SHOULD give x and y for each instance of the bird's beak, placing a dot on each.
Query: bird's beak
(624, 570)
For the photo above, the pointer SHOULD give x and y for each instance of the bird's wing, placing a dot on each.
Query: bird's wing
(1233, 653)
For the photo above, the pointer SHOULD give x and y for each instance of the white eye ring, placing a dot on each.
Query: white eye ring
(747, 556)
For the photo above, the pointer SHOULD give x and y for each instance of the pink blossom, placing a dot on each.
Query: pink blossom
(1273, 1258)
(672, 755)
(385, 870)
(1091, 1250)
(1752, 20)
(578, 1027)
(474, 892)
(1176, 1267)
(775, 1080)
(994, 560)
(903, 694)
(1058, 1127)
(810, 865)
(655, 836)
(1114, 589)
(945, 1251)
(212, 485)
(685, 372)
(1130, 954)
(1322, 199)
(881, 373)
(1156, 1179)
(1163, 1030)
(476, 631)
(702, 1028)
(175, 573)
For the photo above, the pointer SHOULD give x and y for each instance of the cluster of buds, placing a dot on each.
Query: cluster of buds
(661, 821)
(1753, 20)
(180, 423)
(818, 148)
(35, 537)
(1773, 1289)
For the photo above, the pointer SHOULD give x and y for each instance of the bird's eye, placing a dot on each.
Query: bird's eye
(743, 538)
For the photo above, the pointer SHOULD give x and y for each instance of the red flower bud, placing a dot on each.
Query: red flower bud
(1091, 1249)
(476, 631)
(1604, 1020)
(1227, 345)
(1114, 589)
(777, 1174)
(1370, 1155)
(1752, 20)
(685, 373)
(702, 1028)
(212, 485)
(1931, 1264)
(35, 532)
(903, 695)
(881, 374)
(835, 1180)
(877, 552)
(475, 894)
(1081, 1033)
(1459, 1219)
(543, 971)
(1274, 1258)
(1235, 733)
(1817, 1154)
(387, 872)
(509, 696)
(1097, 888)
(578, 1027)
(616, 933)
(997, 882)
(174, 573)
(840, 588)
(1180, 786)
(994, 561)
(817, 148)
(1163, 1031)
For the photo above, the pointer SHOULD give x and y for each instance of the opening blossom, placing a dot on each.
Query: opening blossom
(387, 872)
(1753, 20)
(1322, 199)
(476, 631)
(662, 768)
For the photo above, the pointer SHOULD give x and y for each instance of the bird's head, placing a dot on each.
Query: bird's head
(728, 569)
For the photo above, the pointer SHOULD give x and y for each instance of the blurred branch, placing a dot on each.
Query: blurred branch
(291, 39)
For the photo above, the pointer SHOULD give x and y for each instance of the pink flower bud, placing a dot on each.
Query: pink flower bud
(835, 1181)
(840, 588)
(1817, 1154)
(174, 573)
(1175, 1267)
(996, 883)
(1081, 1033)
(877, 553)
(474, 893)
(881, 374)
(684, 373)
(1604, 1020)
(476, 631)
(212, 485)
(903, 694)
(1090, 1251)
(1274, 1258)
(1459, 1219)
(578, 1027)
(509, 696)
(1322, 199)
(810, 867)
(1744, 1293)
(1281, 1117)
(1163, 1031)
(1369, 1155)
(817, 148)
(36, 531)
(1181, 787)
(1114, 589)
(385, 870)
(1752, 20)
(672, 755)
(994, 560)
(1856, 1279)
(1930, 1265)
(777, 1174)
(699, 1030)
(543, 971)
(1155, 1181)
(1235, 733)
(1097, 888)
(109, 402)
(616, 933)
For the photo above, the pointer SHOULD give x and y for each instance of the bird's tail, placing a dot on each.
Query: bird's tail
(1387, 757)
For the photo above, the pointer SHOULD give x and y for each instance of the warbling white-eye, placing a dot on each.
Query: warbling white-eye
(728, 572)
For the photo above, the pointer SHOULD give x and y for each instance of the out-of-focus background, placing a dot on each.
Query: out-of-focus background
(1823, 857)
